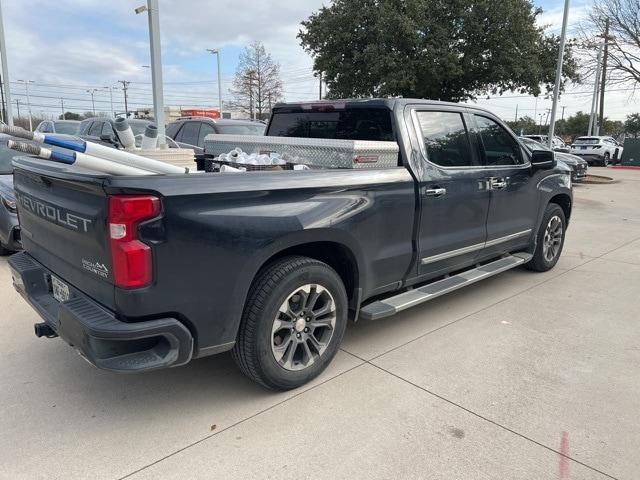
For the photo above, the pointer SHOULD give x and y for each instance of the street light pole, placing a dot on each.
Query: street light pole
(26, 87)
(5, 72)
(92, 91)
(596, 85)
(110, 88)
(556, 88)
(216, 52)
(62, 108)
(156, 67)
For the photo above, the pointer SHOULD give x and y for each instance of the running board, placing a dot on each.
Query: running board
(392, 305)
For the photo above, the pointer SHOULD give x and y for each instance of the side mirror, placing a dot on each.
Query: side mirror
(105, 137)
(542, 159)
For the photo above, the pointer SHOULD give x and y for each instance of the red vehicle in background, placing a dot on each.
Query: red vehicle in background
(200, 112)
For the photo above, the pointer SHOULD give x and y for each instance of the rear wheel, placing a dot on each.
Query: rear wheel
(605, 159)
(550, 239)
(292, 324)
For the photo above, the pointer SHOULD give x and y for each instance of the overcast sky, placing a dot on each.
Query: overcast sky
(69, 46)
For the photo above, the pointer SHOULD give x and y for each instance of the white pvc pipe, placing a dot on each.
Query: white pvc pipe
(107, 166)
(131, 159)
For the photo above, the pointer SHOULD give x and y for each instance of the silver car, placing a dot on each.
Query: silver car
(578, 166)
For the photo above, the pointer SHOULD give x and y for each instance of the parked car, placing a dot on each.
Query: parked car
(190, 131)
(558, 144)
(9, 228)
(597, 150)
(101, 130)
(141, 273)
(578, 166)
(66, 127)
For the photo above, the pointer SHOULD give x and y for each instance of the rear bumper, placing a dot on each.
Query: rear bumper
(589, 157)
(105, 341)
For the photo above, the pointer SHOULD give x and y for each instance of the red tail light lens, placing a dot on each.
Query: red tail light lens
(131, 259)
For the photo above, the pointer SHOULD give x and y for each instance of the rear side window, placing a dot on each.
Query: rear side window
(348, 124)
(84, 127)
(205, 129)
(500, 148)
(189, 133)
(446, 140)
(95, 129)
(172, 130)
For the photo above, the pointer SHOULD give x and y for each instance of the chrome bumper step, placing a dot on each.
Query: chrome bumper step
(392, 305)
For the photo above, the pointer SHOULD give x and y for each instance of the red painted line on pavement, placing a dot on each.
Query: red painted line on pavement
(563, 461)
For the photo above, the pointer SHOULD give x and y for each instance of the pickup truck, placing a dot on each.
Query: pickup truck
(140, 273)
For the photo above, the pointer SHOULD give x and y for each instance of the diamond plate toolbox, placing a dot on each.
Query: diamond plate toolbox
(314, 152)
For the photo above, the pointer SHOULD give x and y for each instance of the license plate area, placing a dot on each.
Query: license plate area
(59, 289)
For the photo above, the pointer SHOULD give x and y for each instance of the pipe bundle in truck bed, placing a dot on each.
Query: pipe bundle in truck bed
(90, 155)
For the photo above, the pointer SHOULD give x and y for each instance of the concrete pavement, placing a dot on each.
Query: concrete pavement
(523, 376)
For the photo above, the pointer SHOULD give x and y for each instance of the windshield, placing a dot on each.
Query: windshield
(349, 124)
(532, 144)
(588, 141)
(257, 129)
(138, 126)
(5, 160)
(67, 128)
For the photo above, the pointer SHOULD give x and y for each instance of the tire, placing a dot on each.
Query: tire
(266, 332)
(605, 159)
(542, 261)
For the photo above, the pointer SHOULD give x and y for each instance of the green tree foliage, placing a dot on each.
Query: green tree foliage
(574, 126)
(448, 50)
(524, 126)
(632, 125)
(71, 116)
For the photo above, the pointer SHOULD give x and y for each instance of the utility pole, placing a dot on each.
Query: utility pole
(62, 108)
(4, 111)
(111, 100)
(556, 87)
(603, 75)
(594, 100)
(153, 12)
(5, 72)
(516, 113)
(91, 92)
(18, 107)
(125, 85)
(320, 86)
(26, 87)
(216, 52)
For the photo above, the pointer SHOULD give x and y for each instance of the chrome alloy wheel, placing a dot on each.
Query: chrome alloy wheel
(552, 238)
(303, 327)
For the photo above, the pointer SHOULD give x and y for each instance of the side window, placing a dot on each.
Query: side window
(106, 129)
(95, 129)
(172, 130)
(446, 139)
(500, 148)
(189, 133)
(205, 129)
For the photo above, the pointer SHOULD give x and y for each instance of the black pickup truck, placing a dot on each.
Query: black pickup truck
(140, 273)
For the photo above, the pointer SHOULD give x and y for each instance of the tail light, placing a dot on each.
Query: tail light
(132, 261)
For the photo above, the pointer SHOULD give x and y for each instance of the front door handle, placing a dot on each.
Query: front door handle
(435, 192)
(497, 183)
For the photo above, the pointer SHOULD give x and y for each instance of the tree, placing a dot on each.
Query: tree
(257, 85)
(632, 125)
(623, 59)
(432, 49)
(575, 125)
(70, 116)
(524, 126)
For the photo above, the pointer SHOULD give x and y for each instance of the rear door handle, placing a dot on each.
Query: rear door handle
(435, 192)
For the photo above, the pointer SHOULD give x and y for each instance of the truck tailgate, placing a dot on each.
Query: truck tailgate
(63, 221)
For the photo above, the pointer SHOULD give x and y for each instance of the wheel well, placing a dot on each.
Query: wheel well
(336, 255)
(564, 201)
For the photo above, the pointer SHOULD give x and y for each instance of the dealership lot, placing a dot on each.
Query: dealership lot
(522, 376)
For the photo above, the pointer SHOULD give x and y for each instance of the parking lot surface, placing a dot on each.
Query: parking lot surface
(522, 376)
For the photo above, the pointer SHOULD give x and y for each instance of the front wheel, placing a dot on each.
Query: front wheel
(293, 323)
(550, 239)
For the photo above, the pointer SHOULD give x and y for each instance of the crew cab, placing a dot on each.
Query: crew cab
(597, 150)
(146, 272)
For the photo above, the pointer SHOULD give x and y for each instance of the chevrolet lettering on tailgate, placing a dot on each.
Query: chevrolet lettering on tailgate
(54, 214)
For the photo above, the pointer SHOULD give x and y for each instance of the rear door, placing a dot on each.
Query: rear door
(454, 201)
(514, 206)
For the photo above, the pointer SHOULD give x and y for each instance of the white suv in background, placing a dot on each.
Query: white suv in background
(598, 150)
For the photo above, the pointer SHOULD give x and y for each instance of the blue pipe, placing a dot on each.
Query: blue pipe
(68, 158)
(68, 144)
